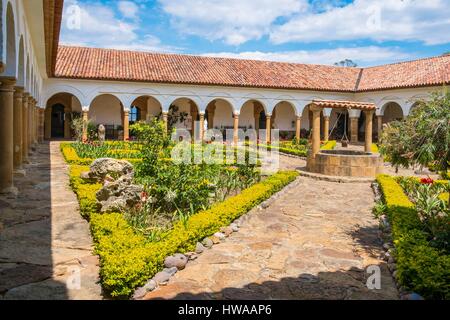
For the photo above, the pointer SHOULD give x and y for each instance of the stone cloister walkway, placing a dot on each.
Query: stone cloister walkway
(45, 245)
(314, 242)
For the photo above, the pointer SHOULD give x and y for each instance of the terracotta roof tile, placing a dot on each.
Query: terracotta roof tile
(424, 72)
(344, 104)
(121, 65)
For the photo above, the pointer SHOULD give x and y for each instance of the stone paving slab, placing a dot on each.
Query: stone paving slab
(314, 242)
(44, 241)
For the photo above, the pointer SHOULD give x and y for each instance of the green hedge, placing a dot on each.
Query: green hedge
(128, 260)
(420, 267)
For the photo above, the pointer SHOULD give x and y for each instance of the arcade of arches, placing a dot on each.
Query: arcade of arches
(219, 114)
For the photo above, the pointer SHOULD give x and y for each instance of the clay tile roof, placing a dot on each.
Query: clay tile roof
(108, 64)
(344, 104)
(424, 72)
(121, 65)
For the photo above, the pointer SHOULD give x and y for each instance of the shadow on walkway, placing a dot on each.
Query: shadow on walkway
(45, 246)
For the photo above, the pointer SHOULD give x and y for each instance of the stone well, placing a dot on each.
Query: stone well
(346, 163)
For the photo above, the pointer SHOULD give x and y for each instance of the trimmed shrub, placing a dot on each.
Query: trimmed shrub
(128, 260)
(421, 268)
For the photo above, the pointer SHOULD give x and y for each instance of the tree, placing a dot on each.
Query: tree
(346, 63)
(423, 138)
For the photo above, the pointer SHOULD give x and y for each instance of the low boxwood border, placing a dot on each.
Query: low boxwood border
(128, 260)
(420, 267)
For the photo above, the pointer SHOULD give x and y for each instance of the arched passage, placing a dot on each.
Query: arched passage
(60, 110)
(284, 119)
(392, 112)
(10, 43)
(145, 108)
(184, 114)
(414, 105)
(219, 115)
(106, 109)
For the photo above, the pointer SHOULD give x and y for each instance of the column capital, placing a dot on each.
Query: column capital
(354, 113)
(236, 114)
(7, 84)
(268, 115)
(18, 92)
(315, 108)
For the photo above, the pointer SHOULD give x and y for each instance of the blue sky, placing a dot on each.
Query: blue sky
(370, 32)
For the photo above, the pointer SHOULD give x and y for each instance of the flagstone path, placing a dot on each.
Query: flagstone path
(45, 245)
(314, 242)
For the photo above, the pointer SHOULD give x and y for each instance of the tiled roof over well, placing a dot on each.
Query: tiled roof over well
(120, 65)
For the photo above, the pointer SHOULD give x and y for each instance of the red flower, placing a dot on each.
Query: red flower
(426, 181)
(144, 196)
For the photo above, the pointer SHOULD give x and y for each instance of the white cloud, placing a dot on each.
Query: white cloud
(128, 9)
(363, 56)
(233, 21)
(100, 27)
(379, 20)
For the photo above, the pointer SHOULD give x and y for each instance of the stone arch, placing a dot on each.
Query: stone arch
(254, 98)
(392, 111)
(414, 105)
(149, 107)
(66, 89)
(11, 51)
(284, 117)
(60, 109)
(185, 94)
(21, 64)
(107, 109)
(107, 90)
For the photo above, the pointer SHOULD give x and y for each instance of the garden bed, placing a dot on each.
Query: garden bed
(423, 264)
(128, 259)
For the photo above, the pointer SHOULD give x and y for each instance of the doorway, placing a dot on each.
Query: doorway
(58, 121)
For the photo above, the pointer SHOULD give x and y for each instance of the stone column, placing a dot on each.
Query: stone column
(268, 128)
(36, 124)
(85, 125)
(41, 125)
(67, 115)
(6, 134)
(326, 128)
(30, 122)
(194, 115)
(202, 126)
(48, 123)
(126, 125)
(380, 127)
(236, 129)
(298, 128)
(18, 122)
(257, 116)
(368, 129)
(354, 130)
(165, 116)
(316, 112)
(25, 126)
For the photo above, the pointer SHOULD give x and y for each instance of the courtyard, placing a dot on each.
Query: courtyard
(136, 174)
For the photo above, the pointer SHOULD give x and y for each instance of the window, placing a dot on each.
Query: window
(135, 114)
